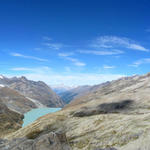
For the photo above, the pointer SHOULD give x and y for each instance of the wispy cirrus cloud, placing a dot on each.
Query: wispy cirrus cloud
(41, 69)
(115, 42)
(101, 52)
(50, 44)
(65, 54)
(27, 57)
(140, 62)
(56, 46)
(21, 69)
(75, 61)
(109, 67)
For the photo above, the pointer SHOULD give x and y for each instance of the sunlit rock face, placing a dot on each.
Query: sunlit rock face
(15, 101)
(36, 91)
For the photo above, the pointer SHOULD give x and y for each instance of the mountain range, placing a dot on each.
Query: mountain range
(112, 116)
(21, 94)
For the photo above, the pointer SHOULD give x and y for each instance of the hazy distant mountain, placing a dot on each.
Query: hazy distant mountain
(73, 93)
(35, 91)
(61, 88)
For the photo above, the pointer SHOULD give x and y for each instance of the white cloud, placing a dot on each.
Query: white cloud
(27, 57)
(138, 47)
(102, 52)
(56, 46)
(73, 80)
(140, 62)
(42, 69)
(65, 54)
(108, 67)
(114, 42)
(75, 61)
(53, 78)
(21, 69)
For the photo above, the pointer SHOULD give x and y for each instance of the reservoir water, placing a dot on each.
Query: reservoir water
(34, 114)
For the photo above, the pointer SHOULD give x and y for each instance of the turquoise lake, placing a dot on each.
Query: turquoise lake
(34, 114)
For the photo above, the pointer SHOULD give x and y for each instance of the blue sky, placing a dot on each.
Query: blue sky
(74, 42)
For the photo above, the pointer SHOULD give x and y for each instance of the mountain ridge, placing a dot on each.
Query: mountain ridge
(38, 91)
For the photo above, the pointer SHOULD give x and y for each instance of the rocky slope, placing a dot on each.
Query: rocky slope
(10, 121)
(36, 91)
(77, 92)
(115, 116)
(46, 141)
(71, 94)
(15, 101)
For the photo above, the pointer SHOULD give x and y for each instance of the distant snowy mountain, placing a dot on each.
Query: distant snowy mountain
(61, 88)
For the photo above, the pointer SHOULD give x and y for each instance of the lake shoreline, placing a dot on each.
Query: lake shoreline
(35, 113)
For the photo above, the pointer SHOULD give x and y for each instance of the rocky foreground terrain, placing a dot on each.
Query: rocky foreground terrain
(113, 116)
(10, 121)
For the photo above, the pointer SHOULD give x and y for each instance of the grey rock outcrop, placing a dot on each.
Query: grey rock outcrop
(49, 141)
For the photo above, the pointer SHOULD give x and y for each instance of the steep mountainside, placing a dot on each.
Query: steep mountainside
(115, 116)
(122, 88)
(79, 91)
(15, 101)
(10, 121)
(38, 91)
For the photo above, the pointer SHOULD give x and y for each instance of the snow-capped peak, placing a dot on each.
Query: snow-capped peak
(1, 77)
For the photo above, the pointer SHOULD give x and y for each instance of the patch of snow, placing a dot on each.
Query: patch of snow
(1, 85)
(1, 77)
